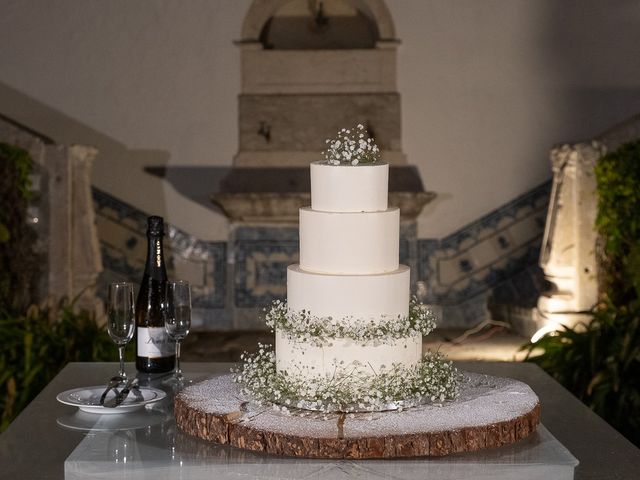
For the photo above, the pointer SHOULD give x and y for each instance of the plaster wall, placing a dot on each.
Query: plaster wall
(486, 88)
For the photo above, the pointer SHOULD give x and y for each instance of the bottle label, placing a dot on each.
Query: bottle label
(153, 342)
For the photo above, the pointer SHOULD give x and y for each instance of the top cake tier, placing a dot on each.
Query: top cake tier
(345, 188)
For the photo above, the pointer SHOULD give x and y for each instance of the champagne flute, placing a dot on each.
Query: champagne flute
(121, 318)
(177, 318)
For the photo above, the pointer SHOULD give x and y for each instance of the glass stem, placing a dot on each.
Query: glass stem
(123, 374)
(178, 370)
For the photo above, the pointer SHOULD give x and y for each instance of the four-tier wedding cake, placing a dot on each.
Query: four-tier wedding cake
(349, 337)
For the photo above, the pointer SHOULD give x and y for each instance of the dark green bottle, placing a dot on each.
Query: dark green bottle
(155, 352)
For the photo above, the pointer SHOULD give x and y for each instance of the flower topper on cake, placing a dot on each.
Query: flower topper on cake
(352, 147)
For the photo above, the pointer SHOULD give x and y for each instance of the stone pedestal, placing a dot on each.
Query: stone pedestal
(568, 254)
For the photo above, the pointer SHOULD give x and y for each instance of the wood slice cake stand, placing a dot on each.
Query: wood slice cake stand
(489, 412)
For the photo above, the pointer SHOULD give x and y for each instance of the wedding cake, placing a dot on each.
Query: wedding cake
(348, 344)
(349, 337)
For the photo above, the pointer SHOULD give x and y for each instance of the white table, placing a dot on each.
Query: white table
(36, 446)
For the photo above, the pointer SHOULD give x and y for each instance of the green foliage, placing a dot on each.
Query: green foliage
(600, 362)
(35, 342)
(21, 164)
(35, 346)
(618, 221)
(18, 262)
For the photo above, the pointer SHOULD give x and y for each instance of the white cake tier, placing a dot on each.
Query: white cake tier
(349, 243)
(309, 360)
(345, 188)
(367, 297)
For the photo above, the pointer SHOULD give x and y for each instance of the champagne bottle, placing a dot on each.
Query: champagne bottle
(155, 352)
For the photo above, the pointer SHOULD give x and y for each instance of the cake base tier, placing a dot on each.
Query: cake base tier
(344, 355)
(490, 412)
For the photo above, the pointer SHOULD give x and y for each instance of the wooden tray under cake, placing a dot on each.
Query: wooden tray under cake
(489, 412)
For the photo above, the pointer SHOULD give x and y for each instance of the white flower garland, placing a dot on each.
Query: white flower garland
(352, 147)
(303, 327)
(432, 380)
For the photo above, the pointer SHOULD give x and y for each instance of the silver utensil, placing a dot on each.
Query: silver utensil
(124, 393)
(112, 385)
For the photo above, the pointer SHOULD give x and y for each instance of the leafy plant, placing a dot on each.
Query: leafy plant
(600, 361)
(618, 222)
(36, 341)
(37, 345)
(18, 261)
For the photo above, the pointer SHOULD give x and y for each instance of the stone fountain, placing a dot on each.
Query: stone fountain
(308, 70)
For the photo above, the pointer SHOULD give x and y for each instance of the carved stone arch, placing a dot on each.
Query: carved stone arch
(261, 10)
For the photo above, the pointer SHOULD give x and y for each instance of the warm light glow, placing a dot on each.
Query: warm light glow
(552, 327)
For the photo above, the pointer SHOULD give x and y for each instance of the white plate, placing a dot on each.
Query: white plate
(87, 399)
(90, 422)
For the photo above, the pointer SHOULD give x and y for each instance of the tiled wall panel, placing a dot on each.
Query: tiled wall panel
(122, 234)
(493, 257)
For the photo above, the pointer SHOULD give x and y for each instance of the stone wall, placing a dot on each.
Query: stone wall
(334, 71)
(494, 258)
(484, 95)
(303, 122)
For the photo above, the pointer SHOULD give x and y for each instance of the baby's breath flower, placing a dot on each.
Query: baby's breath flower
(433, 379)
(302, 327)
(350, 148)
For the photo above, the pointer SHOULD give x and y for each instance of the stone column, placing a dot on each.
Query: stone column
(568, 254)
(68, 239)
(56, 163)
(86, 261)
(74, 260)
